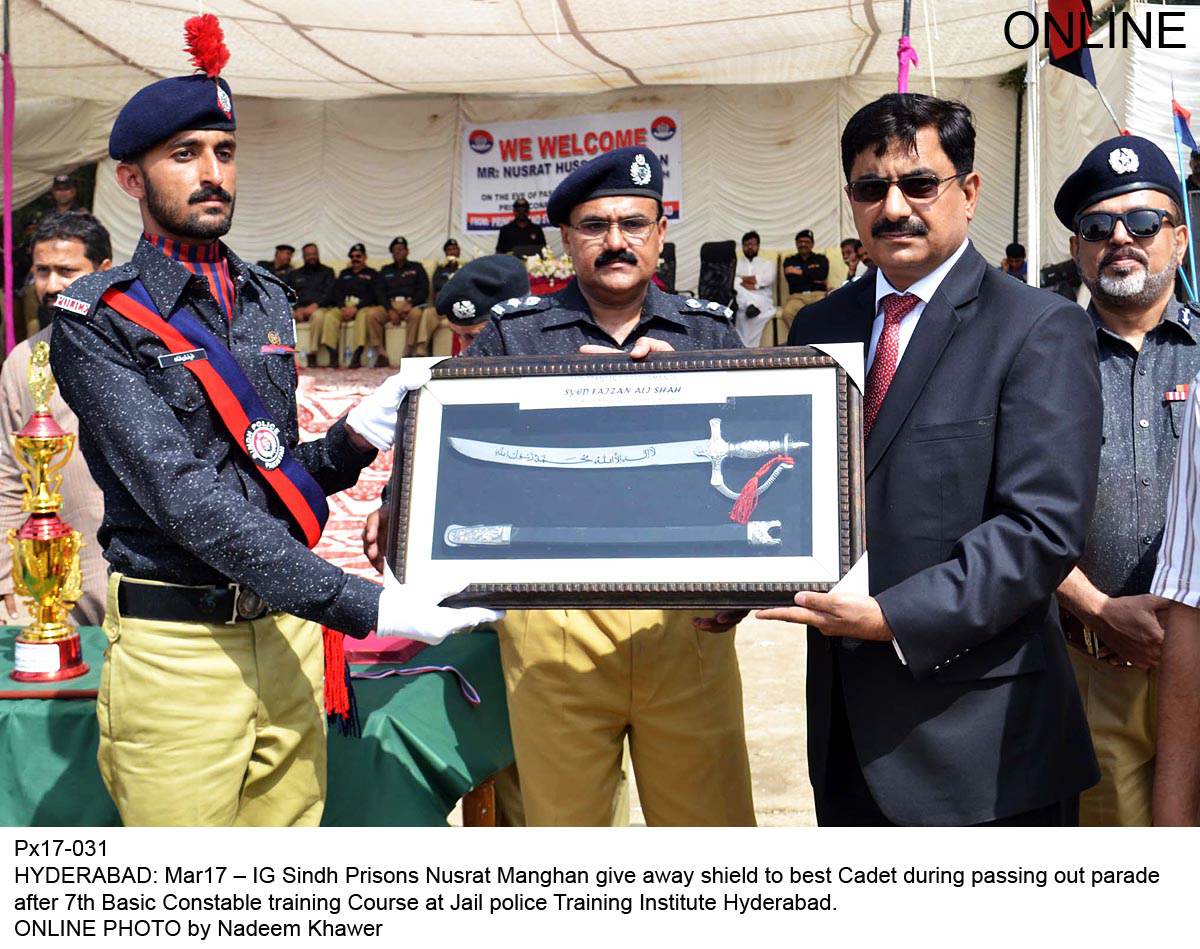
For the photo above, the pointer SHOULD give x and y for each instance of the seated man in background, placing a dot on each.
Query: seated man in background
(851, 248)
(313, 286)
(1014, 262)
(807, 276)
(358, 297)
(281, 264)
(66, 245)
(404, 290)
(447, 266)
(754, 290)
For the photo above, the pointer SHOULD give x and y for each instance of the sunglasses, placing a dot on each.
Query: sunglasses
(1140, 222)
(917, 187)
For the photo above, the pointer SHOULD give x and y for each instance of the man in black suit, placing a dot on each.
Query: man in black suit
(946, 696)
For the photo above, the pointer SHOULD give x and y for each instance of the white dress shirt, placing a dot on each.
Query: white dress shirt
(923, 289)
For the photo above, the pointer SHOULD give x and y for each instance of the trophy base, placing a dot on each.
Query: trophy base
(48, 662)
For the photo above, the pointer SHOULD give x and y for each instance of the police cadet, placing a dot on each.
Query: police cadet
(358, 297)
(180, 367)
(574, 688)
(404, 291)
(1122, 206)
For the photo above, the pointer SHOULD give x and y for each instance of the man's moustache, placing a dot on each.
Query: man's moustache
(211, 194)
(612, 256)
(909, 225)
(1127, 253)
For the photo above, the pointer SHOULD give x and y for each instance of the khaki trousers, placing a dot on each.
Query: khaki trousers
(332, 326)
(1122, 712)
(321, 318)
(793, 305)
(419, 323)
(212, 725)
(579, 681)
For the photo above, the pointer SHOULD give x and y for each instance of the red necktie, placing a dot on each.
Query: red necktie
(896, 306)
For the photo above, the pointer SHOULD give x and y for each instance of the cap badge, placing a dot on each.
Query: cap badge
(464, 309)
(274, 338)
(640, 171)
(1123, 160)
(224, 102)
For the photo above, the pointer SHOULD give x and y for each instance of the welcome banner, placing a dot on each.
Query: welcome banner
(503, 161)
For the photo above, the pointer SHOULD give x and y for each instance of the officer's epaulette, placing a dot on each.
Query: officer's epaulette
(81, 297)
(1189, 313)
(515, 306)
(707, 307)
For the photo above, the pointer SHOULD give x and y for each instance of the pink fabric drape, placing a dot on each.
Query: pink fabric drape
(10, 96)
(907, 55)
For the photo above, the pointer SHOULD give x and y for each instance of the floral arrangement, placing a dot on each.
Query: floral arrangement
(548, 266)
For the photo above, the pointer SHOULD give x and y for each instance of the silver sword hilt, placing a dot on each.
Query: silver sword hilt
(716, 450)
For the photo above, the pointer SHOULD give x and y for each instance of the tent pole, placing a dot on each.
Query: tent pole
(10, 317)
(1016, 228)
(1033, 172)
(904, 51)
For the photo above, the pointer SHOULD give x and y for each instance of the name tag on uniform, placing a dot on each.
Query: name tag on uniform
(178, 359)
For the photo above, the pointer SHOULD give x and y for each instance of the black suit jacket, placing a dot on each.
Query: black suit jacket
(981, 474)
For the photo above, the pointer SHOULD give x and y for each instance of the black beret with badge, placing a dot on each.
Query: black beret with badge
(1120, 165)
(633, 170)
(200, 101)
(476, 287)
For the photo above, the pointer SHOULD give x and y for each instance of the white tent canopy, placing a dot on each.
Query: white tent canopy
(762, 89)
(319, 49)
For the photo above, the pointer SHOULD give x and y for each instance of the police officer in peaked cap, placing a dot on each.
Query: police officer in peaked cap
(574, 689)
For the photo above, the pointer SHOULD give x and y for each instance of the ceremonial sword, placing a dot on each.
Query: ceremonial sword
(755, 533)
(712, 450)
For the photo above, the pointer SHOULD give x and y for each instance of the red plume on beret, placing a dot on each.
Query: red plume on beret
(206, 44)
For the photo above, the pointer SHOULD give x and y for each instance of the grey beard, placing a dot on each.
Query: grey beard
(1140, 288)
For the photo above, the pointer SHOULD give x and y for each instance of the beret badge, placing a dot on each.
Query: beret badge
(1123, 161)
(640, 171)
(464, 309)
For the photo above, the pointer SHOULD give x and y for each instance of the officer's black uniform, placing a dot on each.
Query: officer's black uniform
(562, 322)
(816, 273)
(364, 285)
(312, 284)
(407, 280)
(514, 237)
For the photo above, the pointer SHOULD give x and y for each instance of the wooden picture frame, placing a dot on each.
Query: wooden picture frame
(601, 481)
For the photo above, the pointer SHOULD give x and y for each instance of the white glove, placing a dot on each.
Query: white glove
(414, 613)
(374, 418)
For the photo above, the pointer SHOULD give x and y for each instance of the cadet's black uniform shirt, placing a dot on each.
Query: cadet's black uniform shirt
(562, 322)
(816, 273)
(512, 236)
(407, 280)
(312, 284)
(364, 285)
(182, 502)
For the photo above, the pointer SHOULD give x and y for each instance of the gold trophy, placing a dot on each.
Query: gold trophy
(45, 550)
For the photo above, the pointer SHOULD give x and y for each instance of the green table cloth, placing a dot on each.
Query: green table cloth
(423, 744)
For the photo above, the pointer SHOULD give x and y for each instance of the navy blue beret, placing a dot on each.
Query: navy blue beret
(161, 109)
(634, 170)
(1120, 165)
(477, 286)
